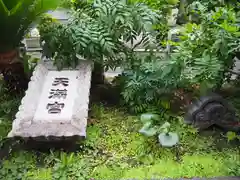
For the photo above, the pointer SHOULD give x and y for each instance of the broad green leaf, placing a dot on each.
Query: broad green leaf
(165, 104)
(3, 9)
(148, 130)
(17, 7)
(102, 42)
(10, 4)
(231, 136)
(166, 125)
(148, 117)
(168, 139)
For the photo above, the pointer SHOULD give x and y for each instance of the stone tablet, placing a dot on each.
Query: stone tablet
(56, 102)
(57, 99)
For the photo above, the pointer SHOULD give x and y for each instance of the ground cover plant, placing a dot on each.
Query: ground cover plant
(122, 142)
(115, 149)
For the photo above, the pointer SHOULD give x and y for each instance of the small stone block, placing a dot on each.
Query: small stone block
(55, 104)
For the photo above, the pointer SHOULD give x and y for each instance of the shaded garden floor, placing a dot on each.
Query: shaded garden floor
(115, 150)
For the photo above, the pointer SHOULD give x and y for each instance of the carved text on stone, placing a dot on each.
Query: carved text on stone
(58, 93)
(56, 108)
(62, 80)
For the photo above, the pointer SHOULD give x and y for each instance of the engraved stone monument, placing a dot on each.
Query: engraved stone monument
(56, 102)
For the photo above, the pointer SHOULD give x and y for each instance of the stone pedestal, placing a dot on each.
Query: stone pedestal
(55, 104)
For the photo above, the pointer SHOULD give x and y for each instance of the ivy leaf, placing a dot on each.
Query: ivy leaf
(148, 117)
(147, 130)
(168, 139)
(231, 136)
(166, 125)
(165, 104)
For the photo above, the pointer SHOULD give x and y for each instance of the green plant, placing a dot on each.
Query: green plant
(17, 16)
(66, 167)
(16, 168)
(9, 102)
(211, 5)
(97, 31)
(164, 8)
(202, 59)
(208, 49)
(115, 150)
(66, 4)
(232, 136)
(151, 128)
(151, 85)
(186, 14)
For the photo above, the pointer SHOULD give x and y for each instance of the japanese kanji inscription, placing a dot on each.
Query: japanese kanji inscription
(64, 81)
(58, 97)
(55, 104)
(58, 93)
(56, 108)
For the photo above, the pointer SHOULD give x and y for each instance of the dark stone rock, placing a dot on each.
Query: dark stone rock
(212, 110)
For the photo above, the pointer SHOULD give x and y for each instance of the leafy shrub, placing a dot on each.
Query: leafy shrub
(97, 32)
(151, 84)
(16, 168)
(201, 59)
(152, 127)
(208, 49)
(211, 5)
(233, 166)
(17, 16)
(68, 166)
(164, 8)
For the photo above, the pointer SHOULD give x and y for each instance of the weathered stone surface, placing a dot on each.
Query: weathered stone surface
(54, 96)
(55, 107)
(212, 110)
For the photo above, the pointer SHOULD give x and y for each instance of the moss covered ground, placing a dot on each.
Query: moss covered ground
(115, 150)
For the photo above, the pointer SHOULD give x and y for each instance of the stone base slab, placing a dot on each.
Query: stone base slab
(48, 130)
(32, 119)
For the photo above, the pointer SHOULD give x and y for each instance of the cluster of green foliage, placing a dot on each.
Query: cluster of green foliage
(115, 150)
(152, 127)
(164, 8)
(211, 5)
(16, 17)
(150, 85)
(203, 57)
(209, 48)
(98, 32)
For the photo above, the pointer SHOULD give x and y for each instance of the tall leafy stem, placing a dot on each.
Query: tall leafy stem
(201, 59)
(98, 32)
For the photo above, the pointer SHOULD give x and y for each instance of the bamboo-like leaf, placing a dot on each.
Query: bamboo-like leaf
(148, 117)
(16, 8)
(3, 9)
(148, 130)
